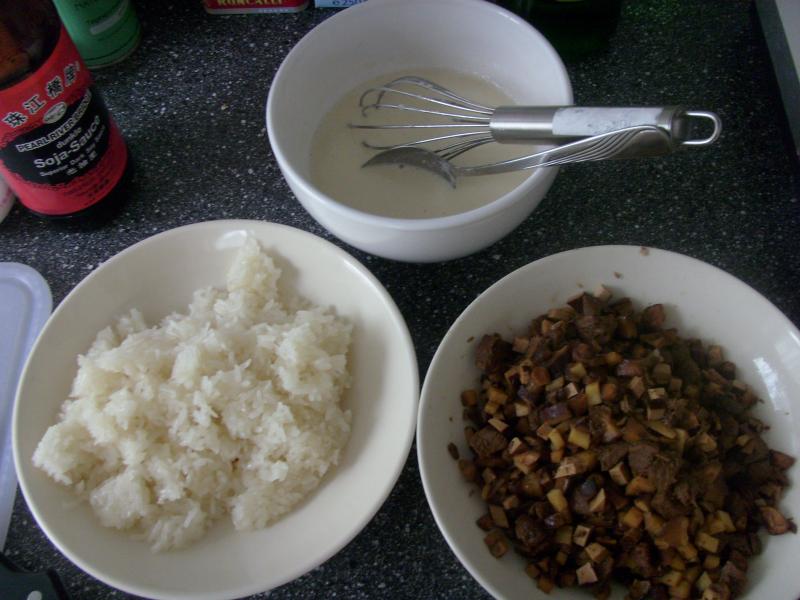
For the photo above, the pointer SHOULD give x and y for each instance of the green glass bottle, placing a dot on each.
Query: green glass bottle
(105, 31)
(574, 27)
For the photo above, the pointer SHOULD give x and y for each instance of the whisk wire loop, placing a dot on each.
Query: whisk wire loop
(484, 121)
(454, 150)
(484, 112)
(469, 118)
(438, 89)
(441, 138)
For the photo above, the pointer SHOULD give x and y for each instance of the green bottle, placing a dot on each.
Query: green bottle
(105, 31)
(575, 27)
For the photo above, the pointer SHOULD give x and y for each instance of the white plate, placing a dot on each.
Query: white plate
(701, 300)
(158, 276)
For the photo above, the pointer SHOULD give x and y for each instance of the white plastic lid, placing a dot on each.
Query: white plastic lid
(25, 305)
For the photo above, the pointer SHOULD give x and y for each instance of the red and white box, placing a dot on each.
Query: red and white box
(232, 7)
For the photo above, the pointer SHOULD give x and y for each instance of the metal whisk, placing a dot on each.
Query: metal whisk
(473, 120)
(454, 125)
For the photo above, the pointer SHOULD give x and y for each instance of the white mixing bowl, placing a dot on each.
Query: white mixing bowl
(386, 36)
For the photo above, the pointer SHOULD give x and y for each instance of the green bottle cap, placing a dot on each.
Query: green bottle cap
(105, 31)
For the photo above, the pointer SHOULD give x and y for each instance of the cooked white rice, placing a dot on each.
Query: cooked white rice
(232, 408)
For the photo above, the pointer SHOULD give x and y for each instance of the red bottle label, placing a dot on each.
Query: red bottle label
(59, 150)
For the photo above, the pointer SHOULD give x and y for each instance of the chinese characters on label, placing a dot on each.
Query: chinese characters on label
(53, 89)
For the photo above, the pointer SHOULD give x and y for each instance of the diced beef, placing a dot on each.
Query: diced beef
(683, 493)
(610, 454)
(775, 522)
(582, 352)
(555, 413)
(677, 413)
(659, 592)
(684, 366)
(596, 328)
(641, 558)
(630, 538)
(640, 455)
(601, 423)
(733, 577)
(663, 470)
(738, 542)
(630, 368)
(487, 441)
(638, 590)
(760, 472)
(757, 449)
(665, 504)
(715, 493)
(717, 591)
(780, 460)
(529, 532)
(653, 317)
(492, 354)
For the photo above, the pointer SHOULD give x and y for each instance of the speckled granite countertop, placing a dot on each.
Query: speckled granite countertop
(191, 100)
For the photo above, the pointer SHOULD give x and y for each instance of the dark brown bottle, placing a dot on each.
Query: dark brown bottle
(574, 27)
(60, 151)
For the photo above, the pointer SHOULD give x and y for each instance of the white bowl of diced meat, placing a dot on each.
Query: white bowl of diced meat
(617, 420)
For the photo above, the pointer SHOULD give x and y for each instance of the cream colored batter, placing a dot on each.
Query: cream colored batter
(397, 191)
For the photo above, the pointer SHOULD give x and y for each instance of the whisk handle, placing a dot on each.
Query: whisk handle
(519, 124)
(514, 124)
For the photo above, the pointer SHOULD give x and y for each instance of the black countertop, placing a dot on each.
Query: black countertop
(191, 100)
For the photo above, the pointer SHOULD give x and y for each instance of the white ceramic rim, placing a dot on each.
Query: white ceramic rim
(315, 560)
(421, 445)
(437, 223)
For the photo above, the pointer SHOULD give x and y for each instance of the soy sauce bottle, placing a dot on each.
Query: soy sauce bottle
(60, 151)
